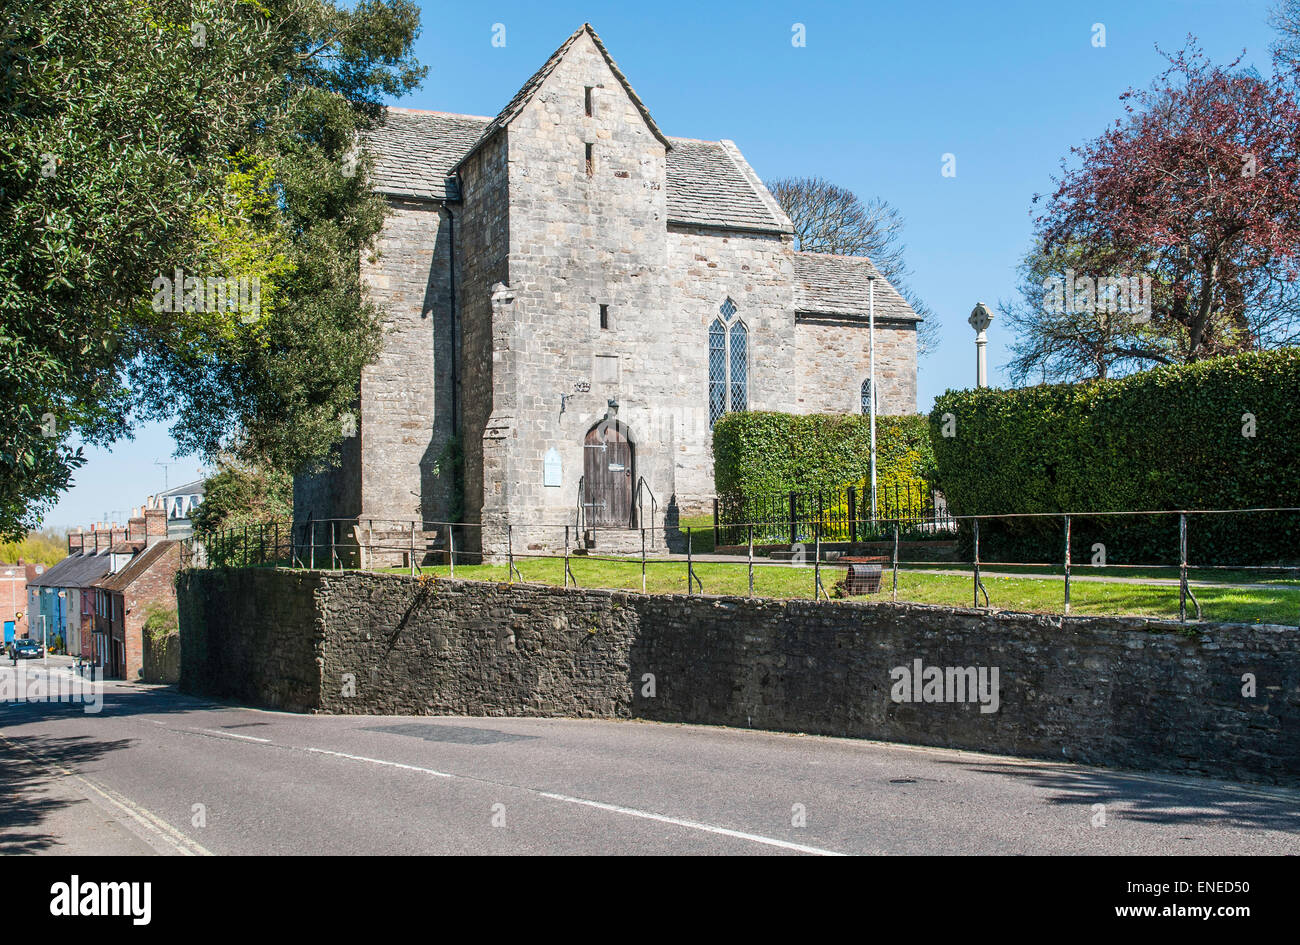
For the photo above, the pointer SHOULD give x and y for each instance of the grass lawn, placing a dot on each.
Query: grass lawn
(1274, 605)
(701, 527)
(1280, 576)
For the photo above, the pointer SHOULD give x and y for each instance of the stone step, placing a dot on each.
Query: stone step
(621, 542)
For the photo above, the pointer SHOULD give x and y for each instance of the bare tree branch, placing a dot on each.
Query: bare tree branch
(831, 219)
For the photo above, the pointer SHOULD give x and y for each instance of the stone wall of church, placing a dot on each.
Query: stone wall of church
(563, 215)
(486, 360)
(405, 418)
(756, 272)
(581, 236)
(834, 358)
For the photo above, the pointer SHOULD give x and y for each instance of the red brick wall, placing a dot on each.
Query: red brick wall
(88, 626)
(155, 586)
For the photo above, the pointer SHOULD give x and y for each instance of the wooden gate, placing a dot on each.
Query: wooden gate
(607, 469)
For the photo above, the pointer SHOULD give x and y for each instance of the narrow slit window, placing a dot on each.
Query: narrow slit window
(604, 316)
(587, 102)
(591, 160)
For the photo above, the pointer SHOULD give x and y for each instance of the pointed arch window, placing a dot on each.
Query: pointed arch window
(717, 371)
(728, 363)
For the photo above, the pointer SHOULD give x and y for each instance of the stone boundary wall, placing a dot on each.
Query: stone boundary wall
(1125, 692)
(162, 658)
(252, 635)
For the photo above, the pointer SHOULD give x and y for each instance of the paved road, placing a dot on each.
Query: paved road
(156, 771)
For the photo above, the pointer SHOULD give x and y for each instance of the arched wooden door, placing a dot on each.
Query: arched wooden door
(607, 469)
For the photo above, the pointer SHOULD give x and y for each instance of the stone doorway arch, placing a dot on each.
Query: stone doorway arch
(608, 473)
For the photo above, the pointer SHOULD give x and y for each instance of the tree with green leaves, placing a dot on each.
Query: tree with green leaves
(217, 138)
(1198, 193)
(238, 495)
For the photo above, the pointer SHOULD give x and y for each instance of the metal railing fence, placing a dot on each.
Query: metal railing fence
(378, 544)
(841, 514)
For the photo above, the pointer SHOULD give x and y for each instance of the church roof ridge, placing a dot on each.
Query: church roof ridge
(434, 111)
(529, 89)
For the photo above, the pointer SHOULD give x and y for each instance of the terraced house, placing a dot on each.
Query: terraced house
(574, 299)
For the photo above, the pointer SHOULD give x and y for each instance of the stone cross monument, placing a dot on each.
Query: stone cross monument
(980, 318)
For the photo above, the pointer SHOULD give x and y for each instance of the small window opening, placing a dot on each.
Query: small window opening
(587, 102)
(591, 161)
(604, 316)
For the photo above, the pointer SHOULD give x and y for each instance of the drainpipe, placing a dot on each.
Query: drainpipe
(455, 344)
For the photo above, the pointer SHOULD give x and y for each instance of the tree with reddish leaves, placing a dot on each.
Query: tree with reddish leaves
(1199, 189)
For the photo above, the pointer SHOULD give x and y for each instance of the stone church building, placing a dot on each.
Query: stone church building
(573, 298)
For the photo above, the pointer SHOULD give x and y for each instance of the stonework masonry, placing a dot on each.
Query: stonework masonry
(1125, 692)
(831, 372)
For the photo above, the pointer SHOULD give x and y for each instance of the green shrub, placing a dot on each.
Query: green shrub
(761, 458)
(762, 453)
(160, 621)
(1166, 439)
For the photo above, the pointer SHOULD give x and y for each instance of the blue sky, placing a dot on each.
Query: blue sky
(874, 100)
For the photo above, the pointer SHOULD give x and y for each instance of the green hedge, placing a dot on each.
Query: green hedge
(768, 453)
(1168, 438)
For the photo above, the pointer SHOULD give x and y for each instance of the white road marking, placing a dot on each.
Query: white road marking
(598, 805)
(692, 824)
(244, 738)
(380, 761)
(156, 831)
(149, 821)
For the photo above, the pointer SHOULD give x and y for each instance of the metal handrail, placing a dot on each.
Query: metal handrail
(580, 519)
(643, 487)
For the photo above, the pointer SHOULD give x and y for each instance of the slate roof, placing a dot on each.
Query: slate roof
(196, 487)
(50, 576)
(839, 285)
(709, 182)
(135, 567)
(415, 151)
(79, 570)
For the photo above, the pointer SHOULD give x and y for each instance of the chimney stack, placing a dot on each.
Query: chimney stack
(101, 537)
(135, 526)
(76, 542)
(117, 534)
(155, 523)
